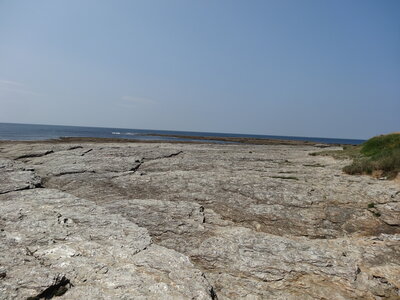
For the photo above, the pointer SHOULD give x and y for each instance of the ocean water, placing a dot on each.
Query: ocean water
(11, 131)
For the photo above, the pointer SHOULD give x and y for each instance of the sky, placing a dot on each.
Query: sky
(276, 67)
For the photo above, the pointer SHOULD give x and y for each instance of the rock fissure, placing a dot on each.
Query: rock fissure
(135, 168)
(75, 147)
(162, 157)
(86, 152)
(73, 172)
(32, 155)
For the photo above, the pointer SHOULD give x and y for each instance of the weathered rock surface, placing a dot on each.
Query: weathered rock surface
(193, 221)
(14, 177)
(47, 234)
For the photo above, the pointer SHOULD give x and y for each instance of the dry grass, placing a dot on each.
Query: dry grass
(379, 155)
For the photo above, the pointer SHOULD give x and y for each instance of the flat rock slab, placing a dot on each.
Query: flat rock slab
(13, 177)
(193, 221)
(47, 235)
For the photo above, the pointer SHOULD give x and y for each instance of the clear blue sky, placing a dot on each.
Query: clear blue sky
(305, 68)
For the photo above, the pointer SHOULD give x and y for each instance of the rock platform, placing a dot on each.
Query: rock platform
(94, 220)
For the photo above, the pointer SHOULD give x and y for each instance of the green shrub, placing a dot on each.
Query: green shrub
(381, 145)
(381, 153)
(359, 167)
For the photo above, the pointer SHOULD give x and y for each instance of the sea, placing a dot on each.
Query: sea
(30, 132)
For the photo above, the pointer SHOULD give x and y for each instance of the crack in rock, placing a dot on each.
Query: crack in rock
(75, 147)
(135, 168)
(73, 172)
(31, 155)
(164, 156)
(86, 152)
(16, 190)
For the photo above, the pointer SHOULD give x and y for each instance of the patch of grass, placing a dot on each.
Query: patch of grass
(285, 177)
(359, 166)
(379, 155)
(349, 151)
(382, 145)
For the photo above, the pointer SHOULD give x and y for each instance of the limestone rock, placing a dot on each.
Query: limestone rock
(14, 177)
(193, 221)
(47, 235)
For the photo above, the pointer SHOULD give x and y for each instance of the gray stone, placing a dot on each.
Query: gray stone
(14, 177)
(193, 221)
(46, 234)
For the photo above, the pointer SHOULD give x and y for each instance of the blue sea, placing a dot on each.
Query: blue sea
(26, 132)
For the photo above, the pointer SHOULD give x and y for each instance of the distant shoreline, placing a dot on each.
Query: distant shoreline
(239, 140)
(190, 140)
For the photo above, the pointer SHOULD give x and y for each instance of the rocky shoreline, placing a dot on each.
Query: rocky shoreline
(95, 219)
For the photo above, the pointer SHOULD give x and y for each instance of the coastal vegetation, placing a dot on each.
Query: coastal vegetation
(379, 156)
